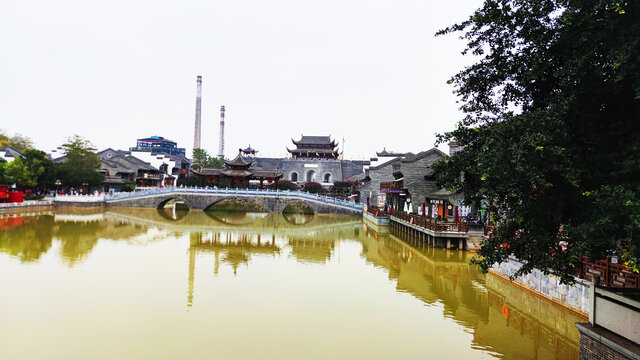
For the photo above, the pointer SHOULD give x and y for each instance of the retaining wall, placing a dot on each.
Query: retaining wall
(575, 297)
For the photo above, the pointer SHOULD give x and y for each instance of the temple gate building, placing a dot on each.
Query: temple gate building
(315, 158)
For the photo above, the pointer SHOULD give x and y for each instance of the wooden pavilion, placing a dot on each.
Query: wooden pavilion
(238, 173)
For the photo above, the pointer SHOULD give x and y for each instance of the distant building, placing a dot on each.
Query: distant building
(315, 158)
(158, 144)
(120, 167)
(8, 154)
(401, 177)
(314, 147)
(238, 173)
(142, 168)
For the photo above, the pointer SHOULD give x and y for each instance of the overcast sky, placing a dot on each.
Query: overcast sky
(114, 71)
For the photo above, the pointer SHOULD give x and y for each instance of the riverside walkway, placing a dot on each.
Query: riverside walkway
(197, 198)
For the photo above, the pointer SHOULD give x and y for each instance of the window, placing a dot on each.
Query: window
(327, 177)
(396, 167)
(293, 176)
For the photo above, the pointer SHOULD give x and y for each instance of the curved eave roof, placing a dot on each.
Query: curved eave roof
(238, 161)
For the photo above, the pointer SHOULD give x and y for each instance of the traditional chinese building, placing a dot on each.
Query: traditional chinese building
(315, 158)
(403, 178)
(314, 147)
(238, 173)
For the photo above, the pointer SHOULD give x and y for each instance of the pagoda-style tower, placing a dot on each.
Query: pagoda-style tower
(314, 147)
(249, 152)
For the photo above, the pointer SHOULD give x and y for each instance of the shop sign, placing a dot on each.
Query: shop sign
(382, 200)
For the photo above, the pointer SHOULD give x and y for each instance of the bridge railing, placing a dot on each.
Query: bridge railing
(231, 191)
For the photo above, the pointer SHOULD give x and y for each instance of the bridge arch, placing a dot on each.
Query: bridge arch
(281, 206)
(260, 206)
(162, 201)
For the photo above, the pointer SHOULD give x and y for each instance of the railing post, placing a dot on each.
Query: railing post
(606, 272)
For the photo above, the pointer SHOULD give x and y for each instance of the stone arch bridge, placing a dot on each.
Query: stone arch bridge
(202, 198)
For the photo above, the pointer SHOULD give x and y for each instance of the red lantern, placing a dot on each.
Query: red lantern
(235, 180)
(209, 178)
(269, 181)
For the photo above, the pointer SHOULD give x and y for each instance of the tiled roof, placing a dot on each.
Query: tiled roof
(314, 140)
(239, 161)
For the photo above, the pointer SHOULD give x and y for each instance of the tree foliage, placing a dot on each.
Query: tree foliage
(32, 169)
(287, 185)
(202, 159)
(17, 142)
(551, 132)
(81, 164)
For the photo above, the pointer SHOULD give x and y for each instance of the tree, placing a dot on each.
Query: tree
(551, 132)
(20, 143)
(4, 179)
(31, 169)
(17, 142)
(81, 164)
(201, 159)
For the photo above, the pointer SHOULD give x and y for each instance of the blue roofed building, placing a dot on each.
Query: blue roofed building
(159, 145)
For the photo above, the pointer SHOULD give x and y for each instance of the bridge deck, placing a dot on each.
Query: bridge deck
(200, 198)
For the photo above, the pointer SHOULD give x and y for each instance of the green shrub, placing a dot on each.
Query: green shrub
(342, 184)
(33, 197)
(189, 181)
(286, 185)
(128, 187)
(312, 187)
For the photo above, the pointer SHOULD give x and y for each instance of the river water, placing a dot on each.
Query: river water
(146, 284)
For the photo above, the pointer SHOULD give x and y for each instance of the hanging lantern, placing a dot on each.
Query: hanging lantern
(269, 181)
(209, 178)
(235, 180)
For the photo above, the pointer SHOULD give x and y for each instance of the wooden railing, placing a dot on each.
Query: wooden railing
(488, 230)
(375, 211)
(431, 223)
(610, 273)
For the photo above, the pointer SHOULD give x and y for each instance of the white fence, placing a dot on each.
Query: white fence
(27, 203)
(79, 198)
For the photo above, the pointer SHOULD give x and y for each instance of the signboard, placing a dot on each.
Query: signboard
(311, 165)
(391, 191)
(382, 200)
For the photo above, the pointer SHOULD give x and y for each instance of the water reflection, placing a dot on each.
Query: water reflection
(498, 318)
(298, 219)
(29, 236)
(236, 217)
(172, 214)
(26, 237)
(505, 320)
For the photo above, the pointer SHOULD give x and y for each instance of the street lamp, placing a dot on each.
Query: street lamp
(58, 183)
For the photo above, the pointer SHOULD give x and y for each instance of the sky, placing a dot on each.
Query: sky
(367, 71)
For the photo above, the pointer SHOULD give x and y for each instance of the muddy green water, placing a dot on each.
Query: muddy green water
(161, 285)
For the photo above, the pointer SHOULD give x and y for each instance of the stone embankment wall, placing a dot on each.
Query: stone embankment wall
(25, 206)
(80, 204)
(574, 297)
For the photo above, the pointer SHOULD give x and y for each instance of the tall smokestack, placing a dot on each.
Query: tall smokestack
(196, 135)
(221, 148)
